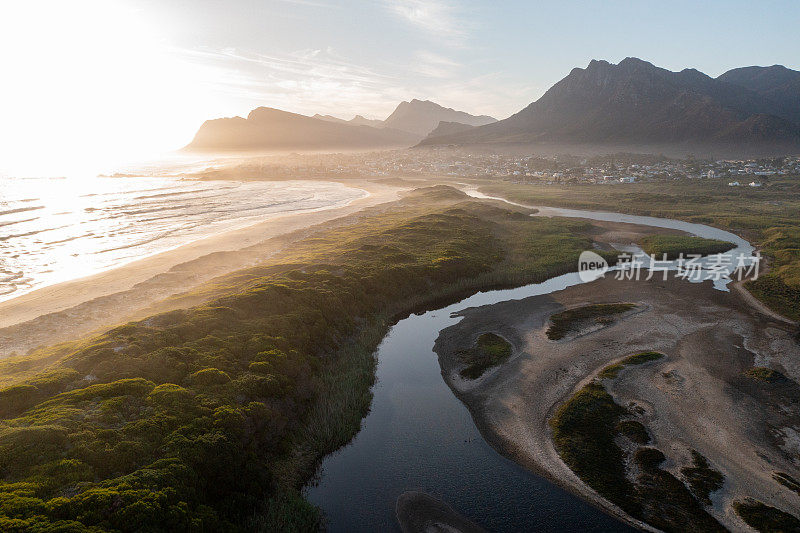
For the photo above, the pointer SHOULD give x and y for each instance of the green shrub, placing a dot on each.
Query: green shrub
(490, 350)
(675, 245)
(633, 430)
(702, 479)
(612, 371)
(768, 375)
(765, 518)
(209, 377)
(571, 320)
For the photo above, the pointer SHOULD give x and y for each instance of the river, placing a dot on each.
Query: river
(419, 436)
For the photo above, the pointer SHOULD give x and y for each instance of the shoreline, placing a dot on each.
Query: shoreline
(70, 309)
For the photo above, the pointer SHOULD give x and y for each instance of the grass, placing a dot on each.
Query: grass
(213, 417)
(787, 481)
(585, 429)
(769, 217)
(571, 320)
(766, 519)
(675, 246)
(702, 479)
(490, 350)
(584, 433)
(765, 374)
(611, 371)
(634, 431)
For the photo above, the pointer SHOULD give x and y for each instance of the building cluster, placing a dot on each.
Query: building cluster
(617, 169)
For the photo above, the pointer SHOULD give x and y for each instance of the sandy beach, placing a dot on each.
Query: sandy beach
(71, 309)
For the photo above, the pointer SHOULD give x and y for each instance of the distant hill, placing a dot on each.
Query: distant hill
(636, 103)
(776, 83)
(358, 120)
(267, 129)
(450, 128)
(422, 116)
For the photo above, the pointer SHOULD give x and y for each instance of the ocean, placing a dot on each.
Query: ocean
(60, 229)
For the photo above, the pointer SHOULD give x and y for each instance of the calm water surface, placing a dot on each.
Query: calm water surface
(419, 436)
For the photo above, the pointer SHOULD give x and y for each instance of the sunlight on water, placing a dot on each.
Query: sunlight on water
(58, 229)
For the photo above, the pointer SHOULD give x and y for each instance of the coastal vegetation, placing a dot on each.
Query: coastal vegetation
(765, 518)
(489, 351)
(702, 479)
(787, 481)
(634, 431)
(585, 432)
(768, 375)
(571, 320)
(611, 371)
(768, 216)
(212, 417)
(675, 246)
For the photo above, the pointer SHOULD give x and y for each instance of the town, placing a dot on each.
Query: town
(601, 170)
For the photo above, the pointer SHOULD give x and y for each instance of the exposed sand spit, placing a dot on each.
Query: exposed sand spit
(418, 512)
(698, 397)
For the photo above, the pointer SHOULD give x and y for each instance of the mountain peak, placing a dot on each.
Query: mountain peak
(634, 62)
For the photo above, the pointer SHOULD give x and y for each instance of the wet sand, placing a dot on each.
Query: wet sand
(418, 512)
(71, 309)
(696, 398)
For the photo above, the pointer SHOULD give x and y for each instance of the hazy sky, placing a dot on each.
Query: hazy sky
(112, 79)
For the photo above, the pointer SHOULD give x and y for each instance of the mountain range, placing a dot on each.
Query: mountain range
(630, 106)
(636, 104)
(267, 129)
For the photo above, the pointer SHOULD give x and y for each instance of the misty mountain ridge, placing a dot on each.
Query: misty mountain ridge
(266, 129)
(423, 116)
(272, 129)
(357, 120)
(633, 105)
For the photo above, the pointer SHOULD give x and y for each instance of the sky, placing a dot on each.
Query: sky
(90, 84)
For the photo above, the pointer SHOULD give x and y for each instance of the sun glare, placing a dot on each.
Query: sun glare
(93, 84)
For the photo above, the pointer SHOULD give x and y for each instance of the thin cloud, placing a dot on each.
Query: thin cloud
(438, 18)
(306, 81)
(310, 3)
(434, 65)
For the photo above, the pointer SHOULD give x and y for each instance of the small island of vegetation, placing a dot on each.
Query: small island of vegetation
(490, 350)
(611, 371)
(765, 518)
(571, 320)
(585, 432)
(675, 246)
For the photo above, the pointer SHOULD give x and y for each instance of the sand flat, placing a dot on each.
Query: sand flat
(696, 398)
